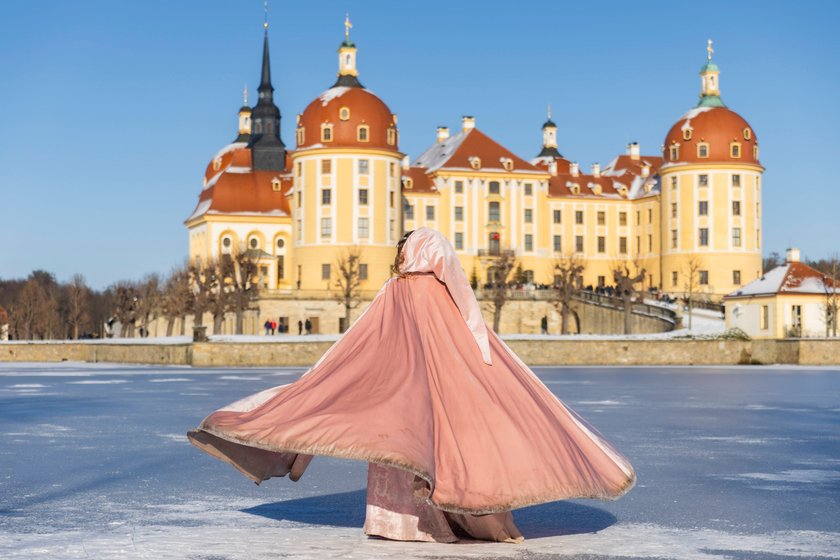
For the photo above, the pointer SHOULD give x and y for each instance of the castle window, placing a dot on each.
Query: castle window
(579, 243)
(325, 271)
(326, 227)
(326, 133)
(529, 242)
(529, 188)
(622, 218)
(391, 199)
(363, 271)
(557, 217)
(217, 163)
(736, 207)
(557, 242)
(755, 151)
(430, 213)
(507, 164)
(326, 166)
(363, 228)
(363, 197)
(579, 217)
(687, 133)
(362, 133)
(227, 242)
(529, 216)
(602, 218)
(459, 187)
(275, 184)
(673, 183)
(493, 187)
(301, 135)
(622, 245)
(475, 162)
(650, 215)
(344, 113)
(326, 197)
(493, 212)
(281, 243)
(747, 133)
(736, 180)
(459, 213)
(673, 239)
(459, 241)
(704, 237)
(736, 277)
(702, 150)
(674, 278)
(392, 136)
(703, 208)
(408, 211)
(364, 167)
(650, 243)
(704, 277)
(674, 152)
(673, 209)
(735, 150)
(736, 237)
(602, 244)
(254, 243)
(409, 183)
(704, 180)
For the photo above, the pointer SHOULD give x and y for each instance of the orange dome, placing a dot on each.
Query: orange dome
(711, 135)
(357, 118)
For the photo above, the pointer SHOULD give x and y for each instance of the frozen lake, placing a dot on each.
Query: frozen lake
(733, 463)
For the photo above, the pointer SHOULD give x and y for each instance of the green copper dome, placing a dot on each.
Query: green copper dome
(711, 101)
(709, 67)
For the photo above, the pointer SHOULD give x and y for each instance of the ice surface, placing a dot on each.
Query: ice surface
(733, 463)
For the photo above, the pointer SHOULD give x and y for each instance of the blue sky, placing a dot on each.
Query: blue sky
(111, 110)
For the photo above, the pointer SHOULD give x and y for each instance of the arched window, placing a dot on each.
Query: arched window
(300, 135)
(363, 133)
(227, 245)
(674, 152)
(392, 136)
(326, 132)
(494, 243)
(702, 150)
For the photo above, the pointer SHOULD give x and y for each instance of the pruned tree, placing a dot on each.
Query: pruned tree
(568, 279)
(499, 291)
(625, 284)
(831, 304)
(126, 299)
(148, 301)
(691, 271)
(240, 279)
(35, 313)
(78, 299)
(177, 299)
(348, 281)
(209, 292)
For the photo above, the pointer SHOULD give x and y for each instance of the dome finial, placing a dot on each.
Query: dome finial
(549, 111)
(709, 49)
(347, 26)
(265, 17)
(245, 95)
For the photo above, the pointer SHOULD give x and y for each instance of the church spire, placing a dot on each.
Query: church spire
(348, 75)
(710, 81)
(267, 149)
(549, 147)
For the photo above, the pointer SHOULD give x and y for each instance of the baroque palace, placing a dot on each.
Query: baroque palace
(694, 210)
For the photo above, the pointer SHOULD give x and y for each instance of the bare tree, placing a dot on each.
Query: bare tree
(499, 292)
(771, 261)
(148, 301)
(240, 278)
(831, 304)
(625, 284)
(78, 298)
(209, 293)
(177, 299)
(348, 282)
(692, 268)
(568, 278)
(126, 298)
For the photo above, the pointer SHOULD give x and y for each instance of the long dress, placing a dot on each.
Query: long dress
(454, 442)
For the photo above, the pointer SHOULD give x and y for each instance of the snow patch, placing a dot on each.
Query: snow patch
(332, 93)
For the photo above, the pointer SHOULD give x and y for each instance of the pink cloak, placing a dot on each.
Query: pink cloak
(454, 425)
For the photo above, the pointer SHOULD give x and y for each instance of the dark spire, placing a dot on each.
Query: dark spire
(267, 149)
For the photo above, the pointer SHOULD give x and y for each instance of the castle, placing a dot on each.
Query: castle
(691, 214)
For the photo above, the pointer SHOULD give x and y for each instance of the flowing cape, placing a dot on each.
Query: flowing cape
(407, 386)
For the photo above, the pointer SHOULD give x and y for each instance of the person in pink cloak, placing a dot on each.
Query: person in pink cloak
(456, 429)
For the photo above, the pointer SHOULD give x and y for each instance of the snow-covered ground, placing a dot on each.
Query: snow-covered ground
(742, 464)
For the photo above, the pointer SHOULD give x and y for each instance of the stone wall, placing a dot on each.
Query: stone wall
(533, 351)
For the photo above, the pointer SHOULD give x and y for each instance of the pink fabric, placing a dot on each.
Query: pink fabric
(407, 387)
(427, 250)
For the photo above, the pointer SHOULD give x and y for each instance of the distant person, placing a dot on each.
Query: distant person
(273, 326)
(267, 326)
(300, 327)
(544, 324)
(308, 326)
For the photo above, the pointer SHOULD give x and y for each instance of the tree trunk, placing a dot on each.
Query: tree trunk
(170, 324)
(564, 319)
(347, 304)
(628, 315)
(183, 319)
(217, 322)
(239, 315)
(497, 317)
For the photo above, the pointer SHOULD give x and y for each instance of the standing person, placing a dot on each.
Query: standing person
(300, 327)
(456, 429)
(544, 324)
(308, 325)
(267, 326)
(273, 326)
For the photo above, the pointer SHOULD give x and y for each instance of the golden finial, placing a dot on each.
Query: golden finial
(245, 95)
(347, 26)
(265, 20)
(710, 50)
(549, 111)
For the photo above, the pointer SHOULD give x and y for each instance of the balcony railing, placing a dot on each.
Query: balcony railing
(496, 253)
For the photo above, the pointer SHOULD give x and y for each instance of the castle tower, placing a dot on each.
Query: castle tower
(347, 170)
(268, 150)
(711, 197)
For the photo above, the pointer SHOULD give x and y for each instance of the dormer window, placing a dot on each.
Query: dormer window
(507, 163)
(363, 133)
(217, 163)
(735, 150)
(622, 190)
(300, 135)
(755, 152)
(344, 113)
(392, 136)
(595, 188)
(326, 132)
(702, 150)
(687, 133)
(674, 152)
(573, 187)
(475, 162)
(409, 183)
(747, 133)
(275, 184)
